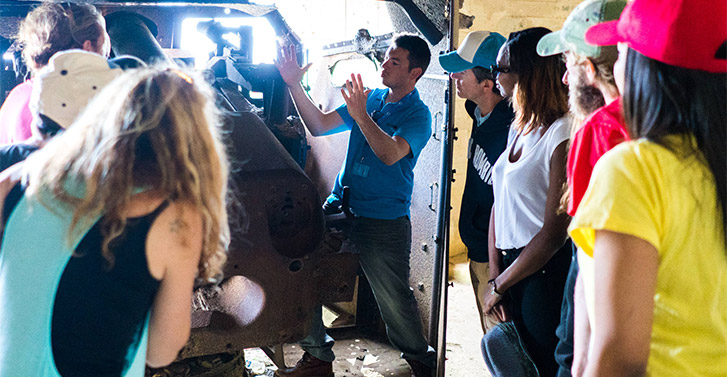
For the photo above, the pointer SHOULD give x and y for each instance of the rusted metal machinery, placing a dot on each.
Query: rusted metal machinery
(283, 260)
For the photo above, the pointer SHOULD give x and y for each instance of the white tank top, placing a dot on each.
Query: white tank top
(521, 187)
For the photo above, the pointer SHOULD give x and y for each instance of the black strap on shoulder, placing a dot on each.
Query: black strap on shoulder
(156, 212)
(12, 200)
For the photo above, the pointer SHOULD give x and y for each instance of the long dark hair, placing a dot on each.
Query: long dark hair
(540, 96)
(661, 100)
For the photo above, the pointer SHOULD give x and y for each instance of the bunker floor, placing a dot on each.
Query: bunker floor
(360, 354)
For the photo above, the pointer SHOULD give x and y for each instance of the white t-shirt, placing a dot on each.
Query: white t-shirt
(521, 187)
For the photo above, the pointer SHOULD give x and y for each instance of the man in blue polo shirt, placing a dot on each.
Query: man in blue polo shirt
(389, 128)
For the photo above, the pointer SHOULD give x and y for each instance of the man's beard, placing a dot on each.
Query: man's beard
(583, 100)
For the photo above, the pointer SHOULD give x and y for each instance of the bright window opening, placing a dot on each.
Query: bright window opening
(263, 39)
(356, 64)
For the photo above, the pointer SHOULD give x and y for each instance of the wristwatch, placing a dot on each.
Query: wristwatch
(494, 291)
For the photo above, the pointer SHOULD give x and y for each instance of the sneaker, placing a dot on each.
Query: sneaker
(307, 366)
(419, 369)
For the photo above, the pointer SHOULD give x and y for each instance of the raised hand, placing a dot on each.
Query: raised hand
(287, 64)
(355, 96)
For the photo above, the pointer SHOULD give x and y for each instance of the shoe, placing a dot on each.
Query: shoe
(418, 369)
(307, 366)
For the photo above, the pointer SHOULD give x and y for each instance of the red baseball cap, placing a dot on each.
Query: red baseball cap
(685, 33)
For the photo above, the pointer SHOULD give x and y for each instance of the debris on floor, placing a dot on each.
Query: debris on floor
(358, 355)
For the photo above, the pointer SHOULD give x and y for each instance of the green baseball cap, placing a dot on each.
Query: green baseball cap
(572, 36)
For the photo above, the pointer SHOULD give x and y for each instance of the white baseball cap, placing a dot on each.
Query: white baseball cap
(479, 49)
(63, 88)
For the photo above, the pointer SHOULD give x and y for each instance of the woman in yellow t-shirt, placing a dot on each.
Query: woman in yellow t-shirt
(652, 223)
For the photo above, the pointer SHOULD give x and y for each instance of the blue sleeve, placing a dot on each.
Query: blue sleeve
(416, 130)
(347, 120)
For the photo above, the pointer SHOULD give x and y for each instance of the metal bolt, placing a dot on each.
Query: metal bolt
(420, 286)
(425, 248)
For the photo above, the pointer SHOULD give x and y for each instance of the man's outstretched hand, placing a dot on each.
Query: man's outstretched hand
(287, 64)
(355, 96)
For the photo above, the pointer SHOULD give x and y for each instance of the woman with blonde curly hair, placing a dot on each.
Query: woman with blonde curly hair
(126, 208)
(48, 29)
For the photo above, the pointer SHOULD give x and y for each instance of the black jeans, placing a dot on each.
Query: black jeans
(564, 350)
(535, 306)
(384, 247)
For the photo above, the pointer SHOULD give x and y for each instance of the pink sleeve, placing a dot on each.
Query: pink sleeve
(15, 116)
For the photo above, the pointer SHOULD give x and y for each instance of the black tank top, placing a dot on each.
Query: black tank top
(100, 312)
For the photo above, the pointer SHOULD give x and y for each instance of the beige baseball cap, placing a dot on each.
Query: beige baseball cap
(63, 88)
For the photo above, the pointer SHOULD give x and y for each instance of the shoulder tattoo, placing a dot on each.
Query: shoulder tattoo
(177, 225)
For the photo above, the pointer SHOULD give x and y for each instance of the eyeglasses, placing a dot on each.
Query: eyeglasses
(496, 70)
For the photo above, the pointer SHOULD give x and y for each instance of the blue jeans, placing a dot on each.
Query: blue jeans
(564, 349)
(384, 247)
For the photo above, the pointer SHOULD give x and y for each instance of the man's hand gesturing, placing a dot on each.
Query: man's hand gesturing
(287, 64)
(355, 96)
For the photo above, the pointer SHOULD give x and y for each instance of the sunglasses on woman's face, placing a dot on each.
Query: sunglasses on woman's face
(496, 69)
